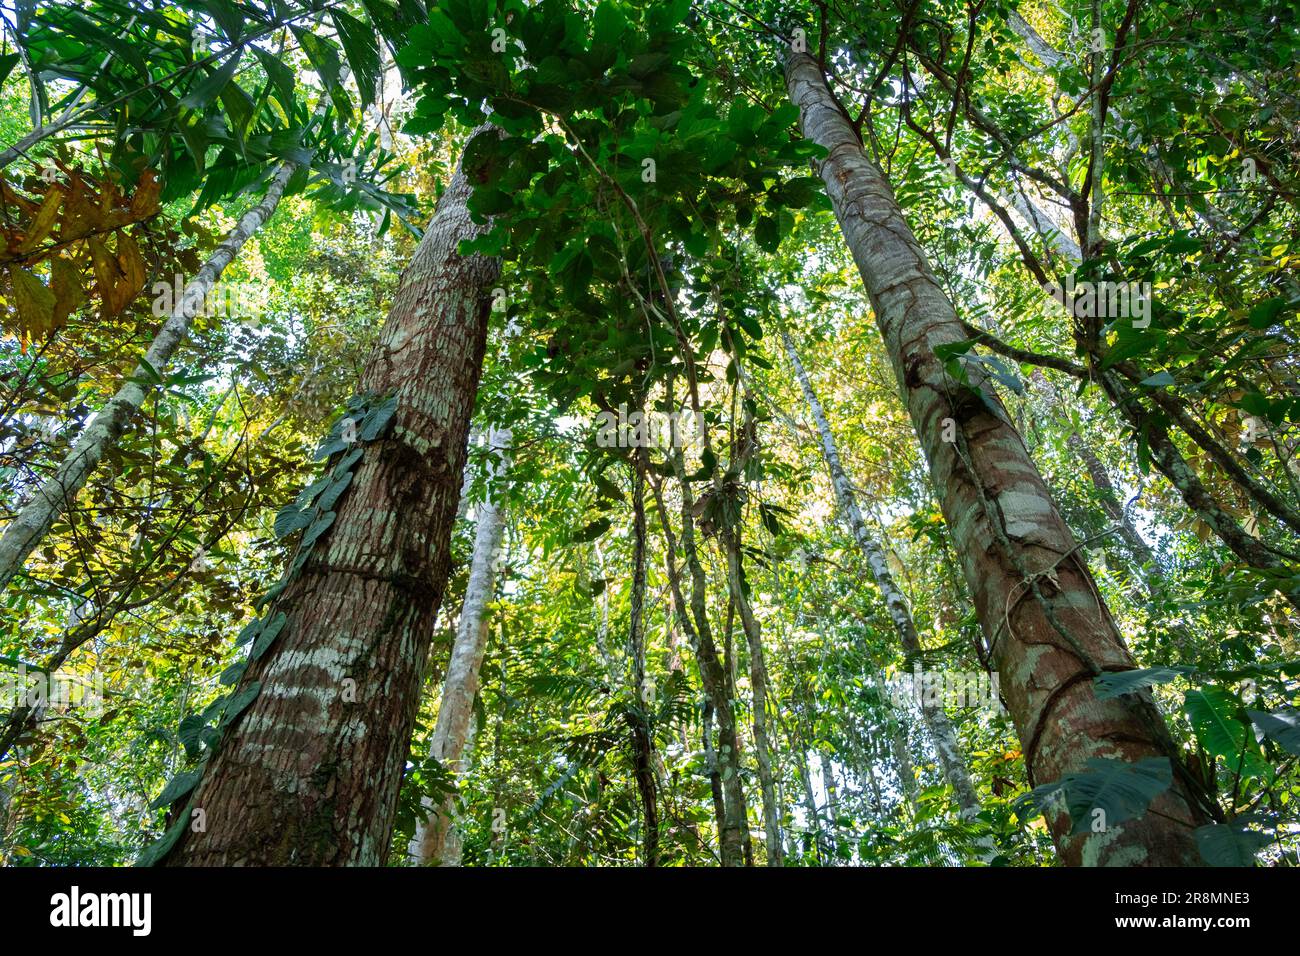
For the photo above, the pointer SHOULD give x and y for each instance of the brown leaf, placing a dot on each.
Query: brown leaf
(108, 275)
(65, 281)
(145, 201)
(134, 270)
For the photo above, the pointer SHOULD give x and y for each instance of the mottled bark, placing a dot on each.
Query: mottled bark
(1049, 631)
(309, 774)
(32, 522)
(936, 721)
(460, 686)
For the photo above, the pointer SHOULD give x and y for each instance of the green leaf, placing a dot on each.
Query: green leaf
(377, 419)
(325, 61)
(281, 77)
(1281, 726)
(177, 787)
(362, 51)
(209, 88)
(159, 849)
(1121, 790)
(1265, 313)
(1110, 686)
(188, 734)
(7, 63)
(230, 676)
(592, 531)
(1222, 844)
(317, 528)
(1159, 380)
(240, 703)
(289, 519)
(1216, 717)
(268, 636)
(331, 494)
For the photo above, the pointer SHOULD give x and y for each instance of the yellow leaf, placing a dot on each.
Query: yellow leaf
(34, 303)
(43, 223)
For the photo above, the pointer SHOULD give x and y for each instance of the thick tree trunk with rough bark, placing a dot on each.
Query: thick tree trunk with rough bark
(936, 721)
(28, 528)
(309, 774)
(1049, 631)
(460, 686)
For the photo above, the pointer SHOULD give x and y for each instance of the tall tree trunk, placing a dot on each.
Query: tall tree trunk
(1049, 631)
(733, 832)
(758, 688)
(936, 721)
(460, 686)
(643, 698)
(28, 528)
(309, 773)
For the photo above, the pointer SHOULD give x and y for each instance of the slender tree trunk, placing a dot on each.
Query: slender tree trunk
(1110, 502)
(28, 528)
(460, 686)
(936, 721)
(832, 788)
(643, 698)
(733, 836)
(758, 687)
(711, 763)
(309, 773)
(1049, 631)
(897, 730)
(1101, 482)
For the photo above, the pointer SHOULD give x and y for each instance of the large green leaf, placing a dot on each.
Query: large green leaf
(1222, 844)
(1119, 789)
(1218, 720)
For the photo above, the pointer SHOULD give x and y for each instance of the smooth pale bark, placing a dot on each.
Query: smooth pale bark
(309, 774)
(1065, 247)
(758, 681)
(936, 721)
(1049, 631)
(1049, 56)
(459, 688)
(28, 528)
